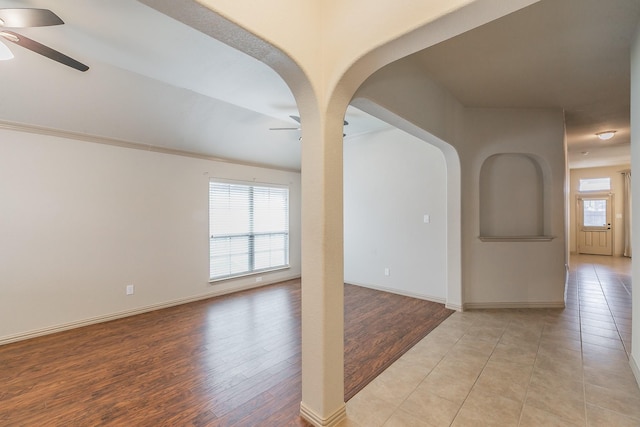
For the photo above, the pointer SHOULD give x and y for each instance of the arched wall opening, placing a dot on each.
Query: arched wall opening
(452, 250)
(395, 214)
(322, 96)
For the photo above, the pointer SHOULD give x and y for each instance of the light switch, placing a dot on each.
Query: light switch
(426, 218)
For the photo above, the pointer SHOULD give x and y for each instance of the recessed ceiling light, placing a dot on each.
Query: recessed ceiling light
(606, 134)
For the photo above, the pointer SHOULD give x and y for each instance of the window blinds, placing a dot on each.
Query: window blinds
(248, 228)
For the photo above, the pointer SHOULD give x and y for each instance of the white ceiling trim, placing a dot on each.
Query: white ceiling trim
(40, 130)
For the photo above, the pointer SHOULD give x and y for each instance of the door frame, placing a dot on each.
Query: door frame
(579, 216)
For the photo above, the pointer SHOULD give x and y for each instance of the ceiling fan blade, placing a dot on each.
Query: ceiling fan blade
(20, 18)
(36, 47)
(297, 119)
(5, 52)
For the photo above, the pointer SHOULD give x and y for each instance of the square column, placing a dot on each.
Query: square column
(322, 276)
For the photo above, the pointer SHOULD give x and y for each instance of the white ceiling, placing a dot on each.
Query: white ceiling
(152, 81)
(157, 82)
(569, 54)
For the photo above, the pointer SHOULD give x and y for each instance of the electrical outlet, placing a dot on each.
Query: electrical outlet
(387, 272)
(259, 279)
(130, 289)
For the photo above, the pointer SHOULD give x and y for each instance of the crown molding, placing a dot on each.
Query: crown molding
(96, 139)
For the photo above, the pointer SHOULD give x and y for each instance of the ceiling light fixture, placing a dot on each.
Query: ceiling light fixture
(606, 134)
(5, 53)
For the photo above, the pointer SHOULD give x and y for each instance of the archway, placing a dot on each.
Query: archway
(323, 85)
(453, 196)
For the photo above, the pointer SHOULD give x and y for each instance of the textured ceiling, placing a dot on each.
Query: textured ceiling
(569, 54)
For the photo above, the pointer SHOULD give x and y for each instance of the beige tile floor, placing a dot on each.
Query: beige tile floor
(555, 367)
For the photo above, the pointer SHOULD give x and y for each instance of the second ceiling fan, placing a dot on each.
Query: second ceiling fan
(23, 18)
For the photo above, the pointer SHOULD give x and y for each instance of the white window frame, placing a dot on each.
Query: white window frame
(583, 184)
(237, 232)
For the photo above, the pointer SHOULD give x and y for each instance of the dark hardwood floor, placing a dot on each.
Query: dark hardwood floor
(227, 361)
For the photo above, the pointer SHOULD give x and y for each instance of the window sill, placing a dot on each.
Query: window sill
(516, 238)
(252, 273)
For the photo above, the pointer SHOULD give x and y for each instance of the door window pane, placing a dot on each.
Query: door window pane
(595, 213)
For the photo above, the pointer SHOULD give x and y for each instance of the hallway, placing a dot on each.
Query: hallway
(515, 367)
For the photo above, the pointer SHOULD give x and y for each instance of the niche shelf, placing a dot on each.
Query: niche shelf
(514, 203)
(516, 238)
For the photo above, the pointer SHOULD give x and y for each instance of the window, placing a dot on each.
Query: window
(594, 212)
(248, 228)
(595, 184)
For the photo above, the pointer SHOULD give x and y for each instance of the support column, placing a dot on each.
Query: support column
(322, 273)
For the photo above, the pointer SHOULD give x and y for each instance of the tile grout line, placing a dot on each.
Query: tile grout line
(441, 359)
(584, 387)
(526, 393)
(615, 322)
(474, 382)
(423, 379)
(621, 340)
(481, 371)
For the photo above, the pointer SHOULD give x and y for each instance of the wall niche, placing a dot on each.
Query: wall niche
(513, 200)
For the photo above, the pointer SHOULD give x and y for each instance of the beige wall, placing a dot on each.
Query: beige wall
(634, 360)
(494, 274)
(391, 180)
(617, 189)
(521, 273)
(79, 221)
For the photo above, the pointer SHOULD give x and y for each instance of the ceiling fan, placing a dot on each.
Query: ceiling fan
(297, 119)
(22, 18)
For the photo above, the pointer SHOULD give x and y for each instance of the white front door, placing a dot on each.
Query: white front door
(595, 234)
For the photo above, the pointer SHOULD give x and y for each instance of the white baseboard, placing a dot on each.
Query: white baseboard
(401, 292)
(140, 310)
(505, 305)
(318, 421)
(456, 307)
(635, 368)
